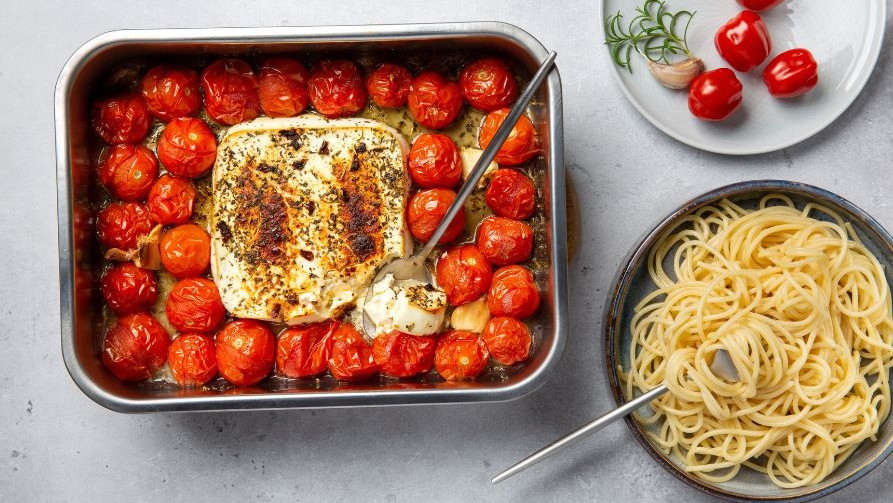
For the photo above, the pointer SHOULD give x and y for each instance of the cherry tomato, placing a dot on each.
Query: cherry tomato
(186, 251)
(283, 87)
(504, 241)
(388, 85)
(759, 5)
(427, 209)
(194, 305)
(460, 355)
(245, 351)
(715, 95)
(128, 289)
(337, 88)
(403, 355)
(128, 171)
(193, 359)
(230, 91)
(135, 347)
(351, 355)
(507, 339)
(519, 147)
(434, 162)
(171, 92)
(464, 274)
(513, 293)
(187, 147)
(744, 41)
(171, 199)
(434, 101)
(488, 84)
(511, 194)
(120, 225)
(124, 119)
(791, 73)
(305, 351)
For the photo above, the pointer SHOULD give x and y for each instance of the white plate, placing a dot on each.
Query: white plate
(845, 37)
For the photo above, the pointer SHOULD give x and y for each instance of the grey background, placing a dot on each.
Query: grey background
(57, 445)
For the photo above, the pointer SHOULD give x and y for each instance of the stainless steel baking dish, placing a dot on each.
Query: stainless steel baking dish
(77, 256)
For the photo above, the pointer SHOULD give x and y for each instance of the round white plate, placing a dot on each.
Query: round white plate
(845, 37)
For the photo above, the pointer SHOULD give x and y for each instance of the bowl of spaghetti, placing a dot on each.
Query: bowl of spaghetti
(793, 282)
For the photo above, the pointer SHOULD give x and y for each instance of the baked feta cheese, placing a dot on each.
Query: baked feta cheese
(407, 306)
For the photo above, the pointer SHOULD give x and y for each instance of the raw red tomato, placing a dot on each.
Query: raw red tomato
(245, 351)
(337, 88)
(193, 359)
(124, 119)
(171, 92)
(464, 274)
(519, 147)
(460, 355)
(186, 251)
(504, 241)
(744, 41)
(759, 5)
(434, 101)
(403, 355)
(187, 147)
(791, 73)
(488, 84)
(119, 225)
(513, 293)
(427, 209)
(511, 194)
(128, 289)
(351, 355)
(135, 347)
(283, 87)
(388, 85)
(305, 351)
(507, 339)
(194, 305)
(128, 171)
(230, 91)
(434, 161)
(171, 199)
(715, 95)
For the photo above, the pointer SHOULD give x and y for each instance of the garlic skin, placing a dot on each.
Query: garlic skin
(677, 75)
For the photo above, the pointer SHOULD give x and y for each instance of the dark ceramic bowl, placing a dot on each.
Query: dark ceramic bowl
(633, 283)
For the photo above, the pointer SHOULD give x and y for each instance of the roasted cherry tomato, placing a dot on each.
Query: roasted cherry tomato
(519, 147)
(513, 293)
(245, 351)
(427, 209)
(351, 355)
(135, 347)
(337, 88)
(434, 101)
(171, 92)
(120, 225)
(791, 73)
(715, 95)
(507, 339)
(759, 5)
(124, 119)
(504, 241)
(128, 171)
(464, 274)
(460, 355)
(403, 355)
(187, 147)
(186, 251)
(511, 194)
(305, 351)
(193, 359)
(128, 289)
(230, 91)
(194, 305)
(488, 84)
(283, 87)
(171, 199)
(388, 85)
(744, 41)
(434, 162)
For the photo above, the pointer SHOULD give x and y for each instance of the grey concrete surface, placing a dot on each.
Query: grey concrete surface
(57, 445)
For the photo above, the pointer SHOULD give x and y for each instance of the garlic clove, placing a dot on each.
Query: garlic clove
(472, 316)
(677, 75)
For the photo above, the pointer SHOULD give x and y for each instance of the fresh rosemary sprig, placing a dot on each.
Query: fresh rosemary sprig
(652, 33)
